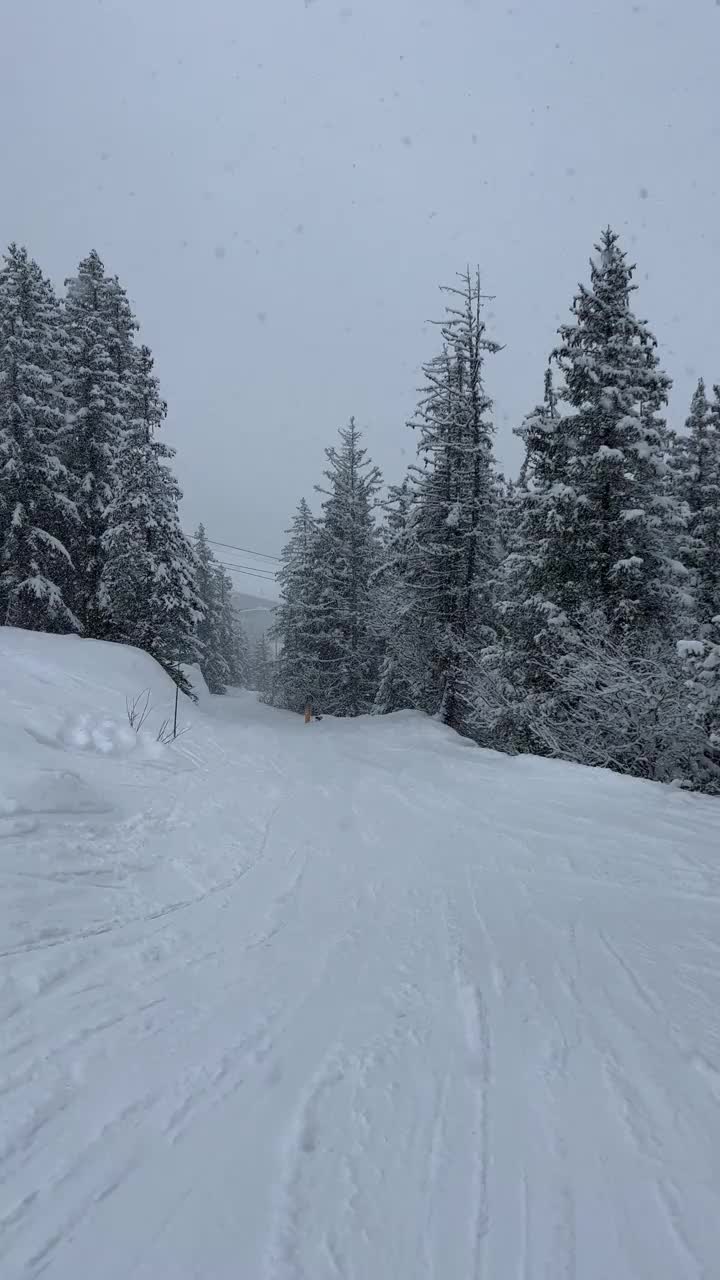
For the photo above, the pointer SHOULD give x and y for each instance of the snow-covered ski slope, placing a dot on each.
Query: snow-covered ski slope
(355, 1001)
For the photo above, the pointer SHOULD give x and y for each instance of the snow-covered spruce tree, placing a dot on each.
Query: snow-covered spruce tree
(702, 661)
(619, 558)
(392, 613)
(98, 337)
(296, 627)
(147, 591)
(543, 444)
(696, 473)
(347, 550)
(509, 509)
(233, 642)
(122, 327)
(508, 676)
(696, 469)
(598, 525)
(35, 504)
(488, 680)
(213, 661)
(452, 544)
(262, 669)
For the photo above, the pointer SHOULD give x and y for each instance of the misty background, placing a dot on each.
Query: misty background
(282, 187)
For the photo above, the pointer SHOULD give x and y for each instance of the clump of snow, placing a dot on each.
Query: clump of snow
(86, 733)
(452, 520)
(690, 648)
(108, 736)
(629, 562)
(57, 791)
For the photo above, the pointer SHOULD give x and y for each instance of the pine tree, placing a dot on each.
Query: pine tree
(213, 661)
(509, 503)
(298, 617)
(35, 504)
(262, 669)
(453, 546)
(597, 523)
(532, 575)
(122, 326)
(97, 387)
(233, 644)
(696, 469)
(147, 589)
(391, 611)
(542, 440)
(347, 555)
(619, 556)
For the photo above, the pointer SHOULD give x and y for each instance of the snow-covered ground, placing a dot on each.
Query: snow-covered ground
(354, 1000)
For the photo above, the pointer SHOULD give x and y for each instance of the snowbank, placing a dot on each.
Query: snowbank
(62, 697)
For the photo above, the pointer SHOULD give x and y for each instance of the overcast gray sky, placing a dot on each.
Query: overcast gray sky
(282, 185)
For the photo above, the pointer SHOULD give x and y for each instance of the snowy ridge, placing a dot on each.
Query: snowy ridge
(348, 1000)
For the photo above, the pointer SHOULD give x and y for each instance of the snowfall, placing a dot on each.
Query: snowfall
(354, 1000)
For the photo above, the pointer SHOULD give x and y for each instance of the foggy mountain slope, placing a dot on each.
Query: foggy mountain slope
(256, 614)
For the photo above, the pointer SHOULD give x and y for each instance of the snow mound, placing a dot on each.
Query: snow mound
(69, 692)
(52, 791)
(105, 735)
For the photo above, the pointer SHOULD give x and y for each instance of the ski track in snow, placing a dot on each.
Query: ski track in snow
(355, 1001)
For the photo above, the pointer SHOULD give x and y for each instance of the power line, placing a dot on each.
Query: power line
(244, 573)
(246, 550)
(265, 572)
(250, 568)
(249, 573)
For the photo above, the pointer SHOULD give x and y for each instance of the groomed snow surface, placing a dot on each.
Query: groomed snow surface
(354, 1000)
